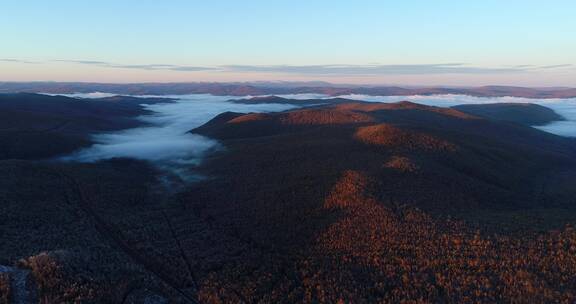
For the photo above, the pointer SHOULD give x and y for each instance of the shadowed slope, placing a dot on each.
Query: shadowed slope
(36, 126)
(385, 208)
(524, 113)
(347, 202)
(445, 144)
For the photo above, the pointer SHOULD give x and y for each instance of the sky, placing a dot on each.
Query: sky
(410, 42)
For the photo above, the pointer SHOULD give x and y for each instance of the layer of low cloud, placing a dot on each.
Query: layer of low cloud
(166, 141)
(18, 61)
(338, 69)
(148, 67)
(407, 69)
(555, 66)
(324, 69)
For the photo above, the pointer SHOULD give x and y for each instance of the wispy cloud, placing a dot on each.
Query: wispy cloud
(532, 67)
(555, 66)
(522, 66)
(321, 70)
(329, 69)
(149, 67)
(374, 69)
(18, 61)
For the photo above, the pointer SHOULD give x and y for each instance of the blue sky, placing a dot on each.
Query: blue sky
(388, 42)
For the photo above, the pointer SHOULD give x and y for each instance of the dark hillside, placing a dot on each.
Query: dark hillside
(54, 233)
(523, 113)
(388, 202)
(34, 126)
(51, 227)
(282, 100)
(448, 143)
(348, 202)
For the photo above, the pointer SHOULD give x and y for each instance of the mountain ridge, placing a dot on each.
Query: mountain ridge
(243, 89)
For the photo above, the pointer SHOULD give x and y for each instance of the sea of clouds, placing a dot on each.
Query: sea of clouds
(166, 141)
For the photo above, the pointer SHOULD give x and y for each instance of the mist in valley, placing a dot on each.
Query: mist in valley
(165, 139)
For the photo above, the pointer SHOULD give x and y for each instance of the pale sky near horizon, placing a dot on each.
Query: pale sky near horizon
(531, 43)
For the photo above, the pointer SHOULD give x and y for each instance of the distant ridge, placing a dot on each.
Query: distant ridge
(275, 88)
(523, 113)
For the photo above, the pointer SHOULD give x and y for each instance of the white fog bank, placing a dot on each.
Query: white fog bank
(166, 141)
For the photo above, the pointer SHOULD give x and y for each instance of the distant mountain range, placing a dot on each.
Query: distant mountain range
(269, 88)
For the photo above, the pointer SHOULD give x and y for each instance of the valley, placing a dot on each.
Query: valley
(387, 201)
